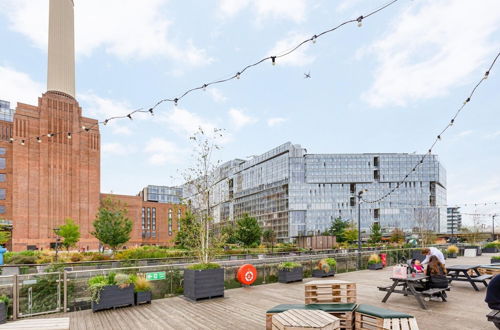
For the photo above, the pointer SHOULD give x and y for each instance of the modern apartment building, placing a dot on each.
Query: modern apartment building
(296, 193)
(454, 220)
(161, 194)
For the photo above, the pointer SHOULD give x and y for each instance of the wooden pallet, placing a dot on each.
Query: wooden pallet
(301, 319)
(369, 322)
(489, 271)
(330, 291)
(346, 320)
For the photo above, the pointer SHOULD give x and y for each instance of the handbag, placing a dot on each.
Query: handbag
(400, 271)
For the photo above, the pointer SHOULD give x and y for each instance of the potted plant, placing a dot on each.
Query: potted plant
(452, 251)
(4, 306)
(495, 260)
(374, 262)
(142, 290)
(289, 272)
(111, 291)
(204, 280)
(491, 247)
(324, 268)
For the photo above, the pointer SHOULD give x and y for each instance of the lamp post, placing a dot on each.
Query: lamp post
(360, 195)
(56, 231)
(493, 225)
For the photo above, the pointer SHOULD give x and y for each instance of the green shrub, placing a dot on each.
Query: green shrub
(495, 244)
(204, 266)
(288, 265)
(496, 257)
(122, 280)
(19, 259)
(5, 300)
(374, 259)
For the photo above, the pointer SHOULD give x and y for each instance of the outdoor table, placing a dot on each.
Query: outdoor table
(461, 273)
(408, 287)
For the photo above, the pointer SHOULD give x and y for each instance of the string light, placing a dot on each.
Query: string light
(50, 135)
(38, 139)
(273, 60)
(176, 100)
(238, 75)
(438, 138)
(105, 122)
(151, 111)
(360, 21)
(313, 39)
(11, 140)
(22, 142)
(129, 116)
(204, 87)
(69, 135)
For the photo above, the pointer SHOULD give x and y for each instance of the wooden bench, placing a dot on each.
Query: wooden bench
(482, 278)
(375, 318)
(494, 316)
(344, 312)
(304, 319)
(436, 292)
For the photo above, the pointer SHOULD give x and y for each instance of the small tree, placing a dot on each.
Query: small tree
(4, 235)
(70, 232)
(229, 233)
(189, 233)
(269, 237)
(337, 229)
(376, 233)
(350, 235)
(112, 227)
(397, 235)
(248, 231)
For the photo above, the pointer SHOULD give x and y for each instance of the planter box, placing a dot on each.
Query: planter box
(375, 266)
(3, 313)
(143, 297)
(293, 275)
(452, 255)
(113, 296)
(495, 261)
(490, 250)
(322, 273)
(203, 284)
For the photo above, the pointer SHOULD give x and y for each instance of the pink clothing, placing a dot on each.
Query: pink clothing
(419, 268)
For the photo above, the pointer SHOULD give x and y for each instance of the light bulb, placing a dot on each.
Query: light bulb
(273, 60)
(314, 39)
(204, 87)
(238, 75)
(22, 142)
(38, 139)
(175, 101)
(69, 135)
(151, 111)
(129, 116)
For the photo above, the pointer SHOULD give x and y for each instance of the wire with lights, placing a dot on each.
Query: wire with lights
(237, 75)
(438, 137)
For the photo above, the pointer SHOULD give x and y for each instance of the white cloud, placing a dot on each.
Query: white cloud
(17, 86)
(493, 135)
(139, 29)
(272, 122)
(297, 58)
(465, 133)
(185, 123)
(294, 10)
(239, 119)
(162, 152)
(432, 47)
(216, 95)
(115, 148)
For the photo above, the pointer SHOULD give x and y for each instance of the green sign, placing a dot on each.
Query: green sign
(156, 276)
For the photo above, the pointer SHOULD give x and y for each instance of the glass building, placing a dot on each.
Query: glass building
(296, 193)
(161, 194)
(454, 223)
(6, 113)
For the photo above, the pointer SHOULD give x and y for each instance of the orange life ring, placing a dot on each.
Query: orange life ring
(247, 274)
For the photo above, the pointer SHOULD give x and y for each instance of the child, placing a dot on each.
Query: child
(415, 263)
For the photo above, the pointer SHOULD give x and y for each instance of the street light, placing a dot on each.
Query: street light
(493, 225)
(360, 195)
(56, 231)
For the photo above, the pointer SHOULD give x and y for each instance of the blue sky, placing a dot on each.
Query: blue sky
(388, 86)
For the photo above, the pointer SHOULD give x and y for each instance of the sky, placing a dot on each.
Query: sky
(390, 85)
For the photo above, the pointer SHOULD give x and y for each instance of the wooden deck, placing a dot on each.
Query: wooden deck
(245, 308)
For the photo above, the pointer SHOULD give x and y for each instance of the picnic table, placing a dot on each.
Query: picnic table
(462, 273)
(409, 285)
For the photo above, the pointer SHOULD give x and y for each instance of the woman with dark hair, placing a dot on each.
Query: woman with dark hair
(437, 274)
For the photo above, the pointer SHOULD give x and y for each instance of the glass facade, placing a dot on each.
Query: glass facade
(454, 220)
(6, 113)
(295, 193)
(162, 194)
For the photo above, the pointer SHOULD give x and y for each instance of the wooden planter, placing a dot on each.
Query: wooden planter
(203, 284)
(113, 296)
(495, 261)
(490, 250)
(3, 313)
(322, 273)
(292, 275)
(143, 297)
(375, 266)
(452, 255)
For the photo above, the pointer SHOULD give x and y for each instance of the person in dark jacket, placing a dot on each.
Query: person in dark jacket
(493, 293)
(437, 274)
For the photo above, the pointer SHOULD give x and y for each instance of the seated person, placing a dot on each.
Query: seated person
(493, 293)
(437, 274)
(417, 266)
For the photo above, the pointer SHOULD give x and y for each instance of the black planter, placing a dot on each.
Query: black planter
(292, 275)
(113, 296)
(143, 297)
(452, 255)
(375, 266)
(490, 250)
(203, 284)
(322, 273)
(495, 261)
(3, 313)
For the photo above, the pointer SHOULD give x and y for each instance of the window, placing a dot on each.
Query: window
(2, 209)
(149, 219)
(353, 201)
(376, 213)
(2, 177)
(169, 222)
(143, 219)
(2, 163)
(179, 215)
(2, 194)
(2, 151)
(154, 218)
